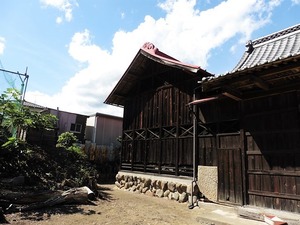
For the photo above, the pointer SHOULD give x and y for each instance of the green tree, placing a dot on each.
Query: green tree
(68, 140)
(15, 117)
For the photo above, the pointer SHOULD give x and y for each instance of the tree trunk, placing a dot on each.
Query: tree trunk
(73, 196)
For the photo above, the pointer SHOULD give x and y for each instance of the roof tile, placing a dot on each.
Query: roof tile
(268, 49)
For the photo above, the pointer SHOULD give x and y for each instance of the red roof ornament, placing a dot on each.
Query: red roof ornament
(148, 45)
(161, 57)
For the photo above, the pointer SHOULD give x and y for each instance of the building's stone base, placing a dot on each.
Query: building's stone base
(162, 187)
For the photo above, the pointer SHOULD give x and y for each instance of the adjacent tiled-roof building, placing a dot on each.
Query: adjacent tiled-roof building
(268, 64)
(271, 48)
(252, 114)
(34, 106)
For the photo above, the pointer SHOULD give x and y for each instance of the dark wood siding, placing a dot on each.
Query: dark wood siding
(230, 176)
(220, 145)
(273, 144)
(158, 131)
(257, 145)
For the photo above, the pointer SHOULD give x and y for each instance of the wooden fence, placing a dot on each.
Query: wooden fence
(106, 158)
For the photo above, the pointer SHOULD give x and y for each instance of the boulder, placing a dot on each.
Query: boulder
(159, 193)
(126, 186)
(118, 184)
(119, 177)
(153, 183)
(183, 197)
(175, 196)
(172, 186)
(167, 193)
(164, 185)
(133, 188)
(178, 187)
(145, 189)
(184, 188)
(147, 183)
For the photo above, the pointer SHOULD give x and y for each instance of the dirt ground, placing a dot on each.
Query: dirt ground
(115, 207)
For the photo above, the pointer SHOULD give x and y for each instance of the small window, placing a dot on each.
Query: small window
(75, 127)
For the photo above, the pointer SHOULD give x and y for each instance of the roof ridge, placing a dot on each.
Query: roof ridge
(150, 48)
(27, 103)
(276, 34)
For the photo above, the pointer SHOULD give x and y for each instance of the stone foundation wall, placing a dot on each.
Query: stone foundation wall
(172, 189)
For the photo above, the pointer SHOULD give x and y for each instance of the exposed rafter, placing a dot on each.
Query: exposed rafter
(231, 93)
(260, 83)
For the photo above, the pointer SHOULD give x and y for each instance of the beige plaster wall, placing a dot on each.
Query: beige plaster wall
(208, 182)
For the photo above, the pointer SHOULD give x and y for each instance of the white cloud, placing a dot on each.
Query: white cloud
(122, 15)
(296, 1)
(65, 6)
(2, 45)
(87, 89)
(59, 20)
(184, 33)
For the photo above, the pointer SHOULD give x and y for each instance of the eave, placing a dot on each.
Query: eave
(146, 59)
(267, 79)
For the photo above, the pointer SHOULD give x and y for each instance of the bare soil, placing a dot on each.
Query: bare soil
(114, 207)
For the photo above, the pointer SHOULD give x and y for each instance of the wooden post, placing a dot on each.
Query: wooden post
(177, 97)
(160, 111)
(243, 146)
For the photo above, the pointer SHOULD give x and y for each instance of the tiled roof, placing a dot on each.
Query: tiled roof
(33, 105)
(271, 48)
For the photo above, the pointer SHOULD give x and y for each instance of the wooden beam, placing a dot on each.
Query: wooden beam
(279, 90)
(232, 93)
(271, 69)
(233, 96)
(260, 83)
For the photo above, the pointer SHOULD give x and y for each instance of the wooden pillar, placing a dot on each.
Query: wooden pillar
(145, 149)
(160, 116)
(243, 147)
(133, 147)
(177, 97)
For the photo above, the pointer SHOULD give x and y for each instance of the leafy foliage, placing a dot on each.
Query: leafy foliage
(14, 116)
(43, 167)
(68, 140)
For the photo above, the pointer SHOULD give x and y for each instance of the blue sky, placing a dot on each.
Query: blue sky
(76, 50)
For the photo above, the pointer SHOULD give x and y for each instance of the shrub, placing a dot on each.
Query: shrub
(68, 140)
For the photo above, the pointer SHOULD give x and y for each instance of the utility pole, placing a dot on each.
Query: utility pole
(24, 80)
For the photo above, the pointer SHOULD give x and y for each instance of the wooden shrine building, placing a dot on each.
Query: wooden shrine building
(253, 123)
(157, 125)
(244, 125)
